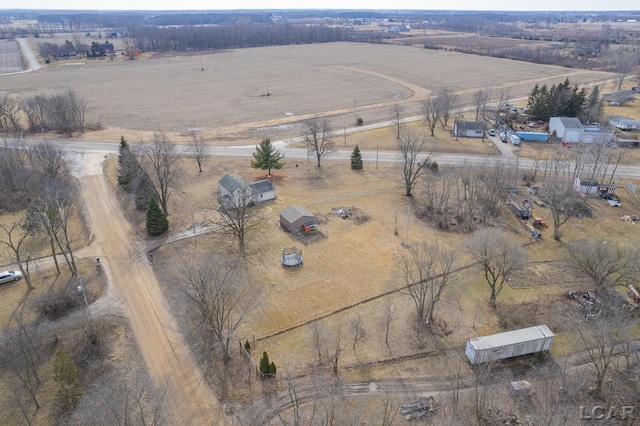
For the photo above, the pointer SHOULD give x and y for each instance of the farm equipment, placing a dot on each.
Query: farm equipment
(535, 235)
(538, 223)
(419, 409)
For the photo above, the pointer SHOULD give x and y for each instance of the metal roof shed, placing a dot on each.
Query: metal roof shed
(509, 344)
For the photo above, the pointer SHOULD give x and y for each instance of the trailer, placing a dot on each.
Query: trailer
(515, 140)
(533, 136)
(509, 344)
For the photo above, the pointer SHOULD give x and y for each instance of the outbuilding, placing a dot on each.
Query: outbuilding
(624, 123)
(568, 129)
(294, 218)
(468, 129)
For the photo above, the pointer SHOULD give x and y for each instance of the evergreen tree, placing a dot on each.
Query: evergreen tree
(157, 223)
(265, 364)
(356, 159)
(562, 100)
(594, 107)
(128, 165)
(272, 369)
(267, 157)
(65, 372)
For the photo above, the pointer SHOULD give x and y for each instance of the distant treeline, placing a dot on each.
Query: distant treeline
(183, 38)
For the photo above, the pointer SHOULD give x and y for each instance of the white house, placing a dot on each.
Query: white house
(468, 129)
(624, 123)
(234, 191)
(569, 129)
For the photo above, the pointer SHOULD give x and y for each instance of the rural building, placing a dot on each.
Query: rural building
(233, 191)
(597, 134)
(533, 136)
(293, 218)
(108, 48)
(468, 129)
(568, 129)
(618, 98)
(509, 344)
(624, 123)
(586, 185)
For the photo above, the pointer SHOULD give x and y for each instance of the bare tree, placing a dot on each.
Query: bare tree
(222, 296)
(563, 201)
(425, 271)
(318, 335)
(358, 332)
(336, 345)
(480, 100)
(199, 145)
(130, 397)
(398, 125)
(606, 263)
(9, 114)
(412, 147)
(605, 338)
(48, 159)
(449, 103)
(433, 110)
(387, 320)
(498, 256)
(317, 137)
(237, 218)
(160, 163)
(15, 235)
(501, 103)
(623, 60)
(22, 355)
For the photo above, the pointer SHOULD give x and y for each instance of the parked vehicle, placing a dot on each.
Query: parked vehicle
(614, 203)
(509, 344)
(492, 132)
(503, 137)
(9, 276)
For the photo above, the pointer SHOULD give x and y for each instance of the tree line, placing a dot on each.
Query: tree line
(564, 100)
(63, 113)
(240, 35)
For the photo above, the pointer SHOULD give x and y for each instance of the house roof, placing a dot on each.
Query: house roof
(230, 183)
(469, 125)
(621, 96)
(623, 119)
(260, 187)
(293, 213)
(570, 122)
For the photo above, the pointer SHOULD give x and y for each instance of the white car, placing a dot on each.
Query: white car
(614, 203)
(492, 132)
(9, 276)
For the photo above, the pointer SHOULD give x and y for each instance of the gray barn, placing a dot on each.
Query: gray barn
(293, 217)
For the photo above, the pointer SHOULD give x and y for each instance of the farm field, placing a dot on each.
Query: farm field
(352, 274)
(228, 99)
(10, 57)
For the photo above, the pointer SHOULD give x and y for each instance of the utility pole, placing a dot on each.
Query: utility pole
(408, 217)
(377, 144)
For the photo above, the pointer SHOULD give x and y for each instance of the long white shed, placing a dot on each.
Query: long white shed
(509, 344)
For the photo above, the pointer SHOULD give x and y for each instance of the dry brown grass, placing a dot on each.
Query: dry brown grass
(227, 100)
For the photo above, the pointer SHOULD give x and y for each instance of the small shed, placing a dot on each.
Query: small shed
(262, 190)
(586, 185)
(568, 129)
(468, 129)
(293, 218)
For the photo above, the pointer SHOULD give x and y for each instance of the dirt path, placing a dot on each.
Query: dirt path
(191, 401)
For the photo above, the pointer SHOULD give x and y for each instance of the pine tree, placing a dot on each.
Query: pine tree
(157, 223)
(272, 369)
(267, 157)
(356, 159)
(265, 364)
(65, 372)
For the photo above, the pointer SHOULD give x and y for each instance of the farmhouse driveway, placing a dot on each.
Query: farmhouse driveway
(190, 400)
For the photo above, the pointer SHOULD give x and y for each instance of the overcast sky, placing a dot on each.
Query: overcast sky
(324, 4)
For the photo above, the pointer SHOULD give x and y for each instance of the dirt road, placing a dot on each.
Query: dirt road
(168, 358)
